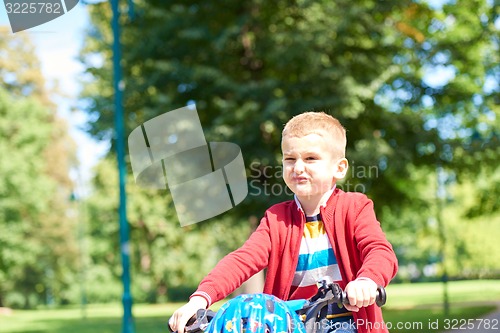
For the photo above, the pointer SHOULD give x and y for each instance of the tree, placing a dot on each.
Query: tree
(37, 248)
(167, 261)
(20, 68)
(249, 66)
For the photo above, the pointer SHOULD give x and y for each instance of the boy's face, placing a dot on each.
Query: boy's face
(309, 167)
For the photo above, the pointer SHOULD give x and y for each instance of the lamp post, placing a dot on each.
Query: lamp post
(128, 323)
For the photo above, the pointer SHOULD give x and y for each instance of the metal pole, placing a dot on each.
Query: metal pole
(441, 195)
(128, 322)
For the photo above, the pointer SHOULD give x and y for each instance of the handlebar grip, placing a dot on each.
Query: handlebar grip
(381, 296)
(380, 299)
(198, 322)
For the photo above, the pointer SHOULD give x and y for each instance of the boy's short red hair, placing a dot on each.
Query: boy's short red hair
(318, 123)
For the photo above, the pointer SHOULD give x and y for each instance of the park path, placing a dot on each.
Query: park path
(489, 324)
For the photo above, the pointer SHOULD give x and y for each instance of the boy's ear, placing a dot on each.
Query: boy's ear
(342, 165)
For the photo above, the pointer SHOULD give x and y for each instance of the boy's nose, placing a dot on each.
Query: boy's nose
(298, 167)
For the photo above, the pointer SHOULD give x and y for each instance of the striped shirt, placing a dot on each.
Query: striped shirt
(316, 259)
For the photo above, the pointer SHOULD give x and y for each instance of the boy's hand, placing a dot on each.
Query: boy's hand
(360, 292)
(182, 315)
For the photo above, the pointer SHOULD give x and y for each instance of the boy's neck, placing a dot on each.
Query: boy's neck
(311, 205)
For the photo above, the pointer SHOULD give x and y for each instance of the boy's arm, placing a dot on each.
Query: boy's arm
(379, 262)
(237, 267)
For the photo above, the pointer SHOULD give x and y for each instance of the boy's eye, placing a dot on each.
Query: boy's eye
(289, 159)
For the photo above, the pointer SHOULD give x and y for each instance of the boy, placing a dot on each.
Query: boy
(322, 232)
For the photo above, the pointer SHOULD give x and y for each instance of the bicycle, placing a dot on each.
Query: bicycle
(310, 311)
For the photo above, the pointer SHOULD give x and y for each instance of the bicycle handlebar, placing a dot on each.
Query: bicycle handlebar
(200, 321)
(328, 293)
(329, 290)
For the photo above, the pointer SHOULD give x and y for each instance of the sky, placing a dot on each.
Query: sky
(57, 46)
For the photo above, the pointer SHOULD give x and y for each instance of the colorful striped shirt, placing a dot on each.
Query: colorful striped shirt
(316, 259)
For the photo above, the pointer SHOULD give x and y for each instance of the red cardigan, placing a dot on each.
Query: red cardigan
(359, 244)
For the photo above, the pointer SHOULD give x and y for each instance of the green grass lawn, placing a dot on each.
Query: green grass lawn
(423, 294)
(98, 318)
(419, 307)
(414, 307)
(430, 319)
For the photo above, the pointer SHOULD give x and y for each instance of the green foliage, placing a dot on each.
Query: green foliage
(469, 246)
(37, 241)
(20, 68)
(472, 243)
(414, 85)
(250, 66)
(166, 259)
(28, 239)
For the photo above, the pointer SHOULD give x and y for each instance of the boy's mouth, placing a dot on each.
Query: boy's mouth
(300, 179)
